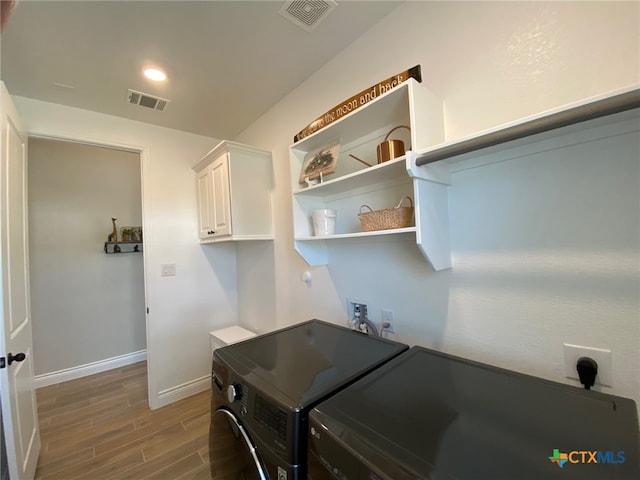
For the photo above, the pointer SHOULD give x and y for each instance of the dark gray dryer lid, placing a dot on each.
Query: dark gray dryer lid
(428, 415)
(301, 365)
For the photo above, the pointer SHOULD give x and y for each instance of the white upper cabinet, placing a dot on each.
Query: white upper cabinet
(379, 186)
(234, 183)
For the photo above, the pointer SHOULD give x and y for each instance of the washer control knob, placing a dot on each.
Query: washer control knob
(234, 392)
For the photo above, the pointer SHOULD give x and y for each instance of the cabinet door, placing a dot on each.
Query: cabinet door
(205, 196)
(221, 201)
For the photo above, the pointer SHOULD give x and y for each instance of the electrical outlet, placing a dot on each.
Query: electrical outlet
(602, 357)
(388, 321)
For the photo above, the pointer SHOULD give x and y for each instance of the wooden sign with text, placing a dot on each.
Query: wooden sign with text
(357, 101)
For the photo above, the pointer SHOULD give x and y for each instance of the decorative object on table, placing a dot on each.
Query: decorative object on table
(116, 249)
(113, 236)
(319, 163)
(357, 101)
(388, 218)
(324, 222)
(390, 149)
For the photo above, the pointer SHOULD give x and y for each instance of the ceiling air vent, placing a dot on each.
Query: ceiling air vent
(307, 14)
(146, 100)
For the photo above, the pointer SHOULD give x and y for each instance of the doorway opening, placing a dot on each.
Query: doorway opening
(87, 305)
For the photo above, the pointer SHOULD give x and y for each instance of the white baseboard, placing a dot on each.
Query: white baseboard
(88, 369)
(173, 394)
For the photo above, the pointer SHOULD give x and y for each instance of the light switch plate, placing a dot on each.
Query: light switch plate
(168, 270)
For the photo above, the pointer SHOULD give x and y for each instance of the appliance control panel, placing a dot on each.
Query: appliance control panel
(219, 376)
(269, 422)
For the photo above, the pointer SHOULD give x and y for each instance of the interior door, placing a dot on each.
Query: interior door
(19, 408)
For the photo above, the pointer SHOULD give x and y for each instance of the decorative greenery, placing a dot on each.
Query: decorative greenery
(321, 160)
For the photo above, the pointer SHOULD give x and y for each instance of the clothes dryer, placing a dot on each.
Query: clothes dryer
(426, 415)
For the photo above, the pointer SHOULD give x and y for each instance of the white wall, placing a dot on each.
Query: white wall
(86, 306)
(256, 287)
(202, 296)
(510, 302)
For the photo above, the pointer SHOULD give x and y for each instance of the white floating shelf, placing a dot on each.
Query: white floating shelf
(393, 231)
(383, 172)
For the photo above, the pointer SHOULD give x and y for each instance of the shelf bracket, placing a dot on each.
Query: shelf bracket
(437, 173)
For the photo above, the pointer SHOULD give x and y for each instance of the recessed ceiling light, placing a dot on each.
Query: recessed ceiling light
(155, 74)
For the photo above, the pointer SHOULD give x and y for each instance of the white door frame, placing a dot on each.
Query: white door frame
(143, 152)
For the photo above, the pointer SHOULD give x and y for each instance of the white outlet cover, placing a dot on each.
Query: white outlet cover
(388, 316)
(602, 356)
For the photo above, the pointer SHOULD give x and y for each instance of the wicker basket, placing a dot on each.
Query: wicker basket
(396, 217)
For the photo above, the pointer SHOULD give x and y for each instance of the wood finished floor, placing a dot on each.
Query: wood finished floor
(101, 428)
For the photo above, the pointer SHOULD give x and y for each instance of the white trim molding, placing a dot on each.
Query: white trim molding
(173, 394)
(89, 369)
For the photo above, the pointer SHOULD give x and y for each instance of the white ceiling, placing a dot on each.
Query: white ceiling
(228, 61)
